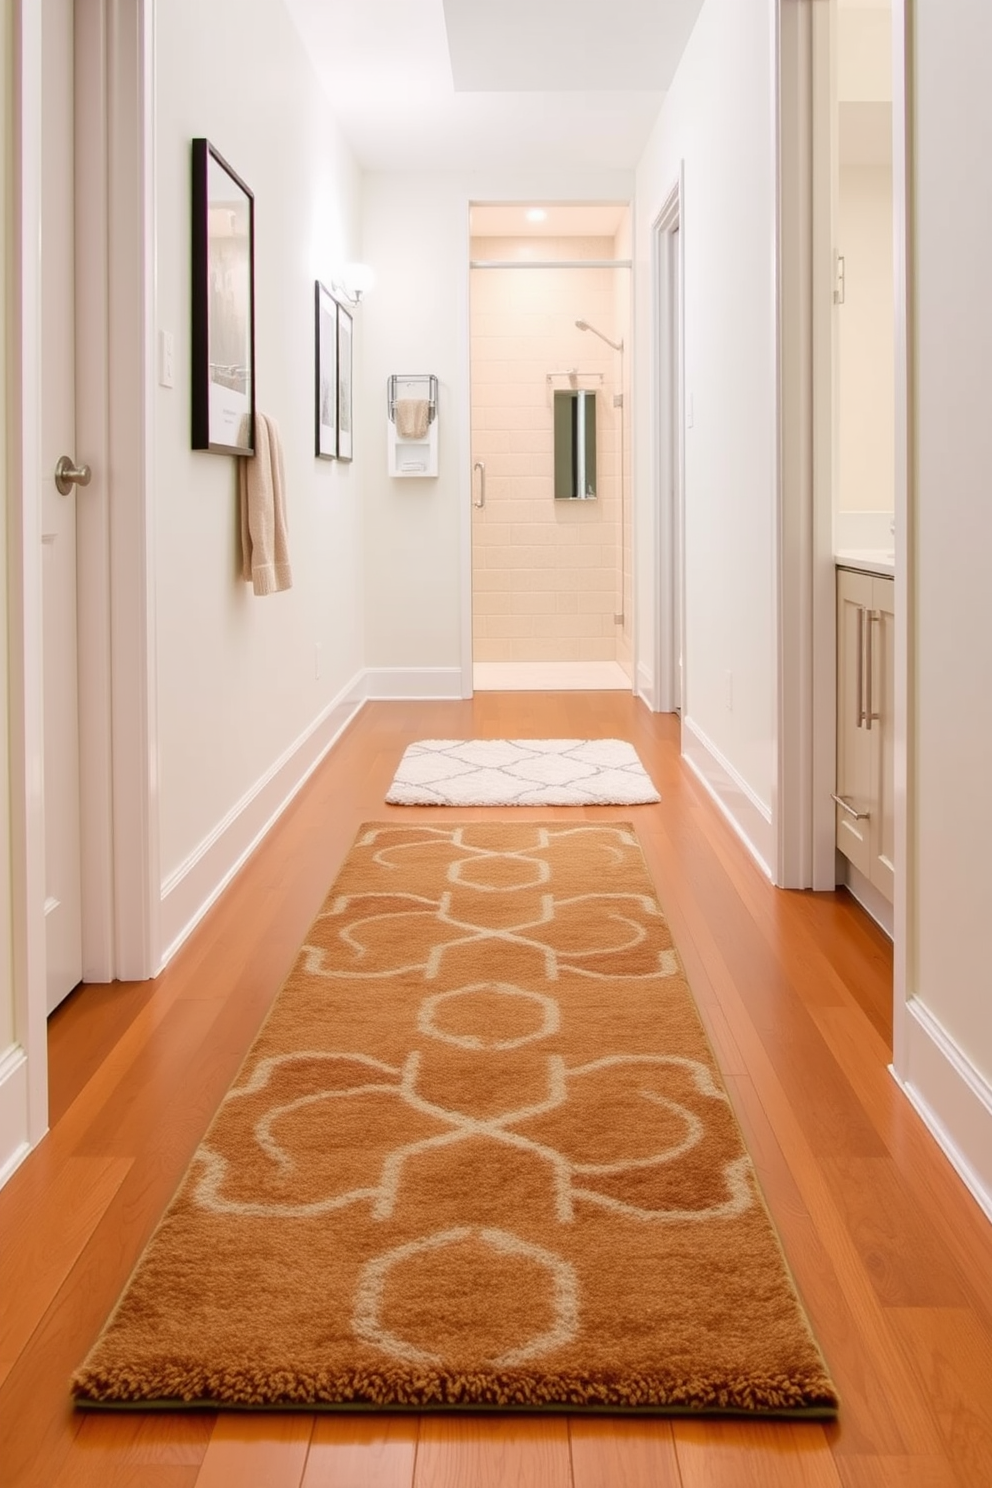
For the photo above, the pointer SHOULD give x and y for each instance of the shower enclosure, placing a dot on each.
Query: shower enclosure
(551, 559)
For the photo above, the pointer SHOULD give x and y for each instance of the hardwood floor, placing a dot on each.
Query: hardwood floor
(892, 1257)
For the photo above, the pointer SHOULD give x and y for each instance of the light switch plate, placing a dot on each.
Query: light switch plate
(166, 359)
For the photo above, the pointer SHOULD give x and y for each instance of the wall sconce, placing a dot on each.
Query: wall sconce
(353, 280)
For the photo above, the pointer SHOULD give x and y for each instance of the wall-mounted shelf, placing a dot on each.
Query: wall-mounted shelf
(411, 424)
(574, 376)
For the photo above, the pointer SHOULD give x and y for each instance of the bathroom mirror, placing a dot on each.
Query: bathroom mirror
(575, 445)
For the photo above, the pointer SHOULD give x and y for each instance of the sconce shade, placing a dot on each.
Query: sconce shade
(356, 279)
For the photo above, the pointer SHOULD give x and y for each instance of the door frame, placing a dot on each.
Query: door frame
(117, 632)
(806, 605)
(121, 937)
(667, 255)
(805, 248)
(803, 810)
(904, 974)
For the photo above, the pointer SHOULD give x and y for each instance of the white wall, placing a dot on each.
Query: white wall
(949, 1053)
(237, 684)
(718, 118)
(418, 574)
(866, 337)
(7, 1030)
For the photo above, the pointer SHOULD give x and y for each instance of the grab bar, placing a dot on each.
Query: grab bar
(480, 466)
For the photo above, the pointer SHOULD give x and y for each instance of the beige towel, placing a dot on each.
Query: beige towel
(412, 417)
(262, 494)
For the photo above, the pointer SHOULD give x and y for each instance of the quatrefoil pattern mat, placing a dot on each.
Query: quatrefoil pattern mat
(480, 1155)
(521, 772)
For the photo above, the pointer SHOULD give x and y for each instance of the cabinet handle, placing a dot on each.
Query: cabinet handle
(480, 467)
(874, 617)
(860, 680)
(846, 806)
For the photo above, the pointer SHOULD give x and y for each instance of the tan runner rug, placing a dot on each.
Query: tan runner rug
(480, 1155)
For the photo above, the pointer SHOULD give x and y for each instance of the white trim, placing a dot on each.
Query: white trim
(630, 627)
(905, 533)
(14, 1129)
(804, 568)
(668, 475)
(824, 453)
(465, 456)
(27, 760)
(644, 685)
(415, 684)
(749, 816)
(551, 263)
(93, 597)
(871, 899)
(131, 183)
(953, 1098)
(190, 891)
(792, 795)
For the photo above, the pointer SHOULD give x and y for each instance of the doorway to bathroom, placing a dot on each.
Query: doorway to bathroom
(864, 450)
(550, 313)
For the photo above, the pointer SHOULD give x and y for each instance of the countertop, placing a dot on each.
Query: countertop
(868, 560)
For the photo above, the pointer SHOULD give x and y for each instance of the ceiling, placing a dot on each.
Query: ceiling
(560, 220)
(496, 84)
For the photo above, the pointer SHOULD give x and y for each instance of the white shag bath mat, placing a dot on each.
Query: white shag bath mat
(521, 772)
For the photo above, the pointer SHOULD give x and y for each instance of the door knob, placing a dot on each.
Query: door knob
(67, 475)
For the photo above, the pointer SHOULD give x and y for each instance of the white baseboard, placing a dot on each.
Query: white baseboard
(953, 1098)
(197, 883)
(873, 902)
(750, 818)
(14, 1130)
(413, 684)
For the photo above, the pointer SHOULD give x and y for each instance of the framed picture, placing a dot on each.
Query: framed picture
(344, 384)
(223, 305)
(326, 381)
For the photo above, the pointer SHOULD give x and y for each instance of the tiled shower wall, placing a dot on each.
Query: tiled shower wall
(546, 573)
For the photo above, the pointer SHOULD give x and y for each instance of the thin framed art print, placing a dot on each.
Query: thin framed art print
(223, 306)
(326, 380)
(345, 439)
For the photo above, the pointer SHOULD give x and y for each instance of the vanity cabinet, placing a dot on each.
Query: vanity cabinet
(865, 716)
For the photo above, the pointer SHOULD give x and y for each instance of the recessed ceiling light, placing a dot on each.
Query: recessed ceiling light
(535, 214)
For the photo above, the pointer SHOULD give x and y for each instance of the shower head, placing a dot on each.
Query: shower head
(584, 325)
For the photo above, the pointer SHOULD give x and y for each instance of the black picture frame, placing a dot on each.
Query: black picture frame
(325, 373)
(345, 389)
(223, 306)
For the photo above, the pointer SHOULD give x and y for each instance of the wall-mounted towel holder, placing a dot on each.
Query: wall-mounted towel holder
(411, 424)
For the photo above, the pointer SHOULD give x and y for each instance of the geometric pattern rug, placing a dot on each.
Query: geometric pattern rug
(479, 1156)
(521, 772)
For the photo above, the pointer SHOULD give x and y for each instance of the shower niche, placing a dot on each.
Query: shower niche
(575, 445)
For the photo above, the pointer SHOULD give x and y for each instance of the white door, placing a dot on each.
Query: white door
(58, 434)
